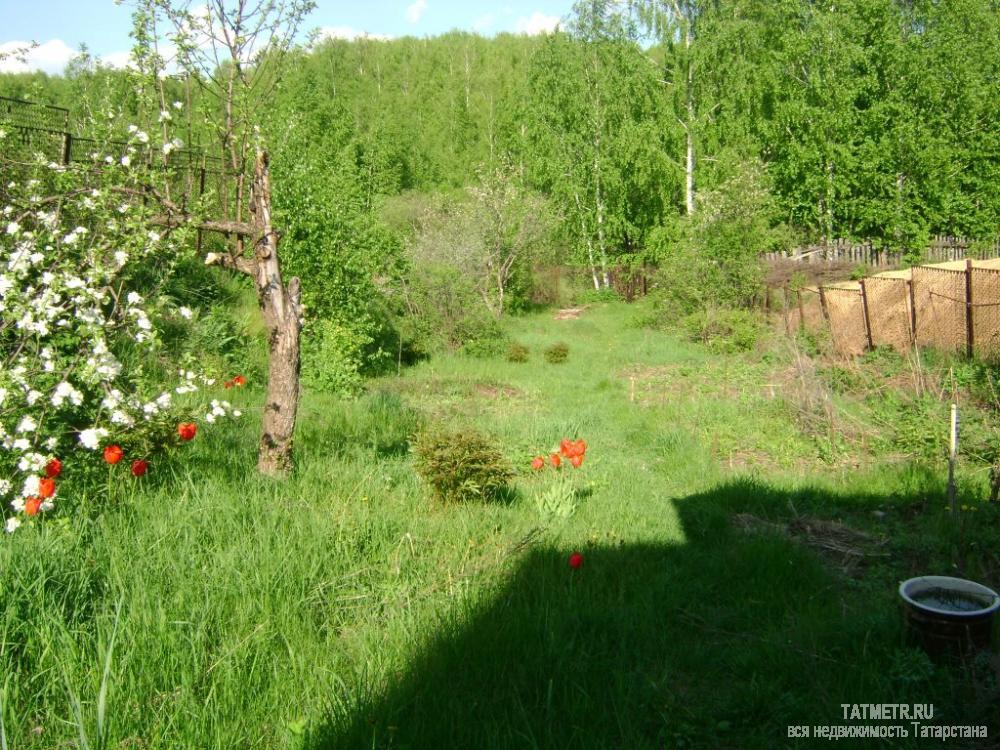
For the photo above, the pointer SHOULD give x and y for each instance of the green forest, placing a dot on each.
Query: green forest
(437, 392)
(684, 136)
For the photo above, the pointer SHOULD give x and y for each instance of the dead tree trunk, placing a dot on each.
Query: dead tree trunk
(280, 306)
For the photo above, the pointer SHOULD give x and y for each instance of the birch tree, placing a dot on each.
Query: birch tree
(675, 24)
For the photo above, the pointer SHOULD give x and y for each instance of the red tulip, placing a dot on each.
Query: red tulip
(113, 454)
(570, 448)
(228, 384)
(575, 560)
(187, 430)
(538, 463)
(555, 459)
(31, 506)
(53, 468)
(139, 467)
(577, 461)
(240, 381)
(46, 488)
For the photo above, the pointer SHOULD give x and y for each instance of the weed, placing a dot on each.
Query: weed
(557, 353)
(517, 353)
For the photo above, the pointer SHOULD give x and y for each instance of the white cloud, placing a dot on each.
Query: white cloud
(348, 33)
(413, 12)
(537, 23)
(483, 23)
(117, 59)
(50, 57)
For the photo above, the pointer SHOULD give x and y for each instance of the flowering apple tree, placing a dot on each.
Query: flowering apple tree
(82, 306)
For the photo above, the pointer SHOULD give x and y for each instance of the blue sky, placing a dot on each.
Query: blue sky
(61, 26)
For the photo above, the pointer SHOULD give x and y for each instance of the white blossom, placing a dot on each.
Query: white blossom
(30, 486)
(91, 438)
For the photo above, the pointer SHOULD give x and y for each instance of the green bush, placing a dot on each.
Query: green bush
(724, 331)
(437, 309)
(462, 465)
(332, 355)
(517, 353)
(590, 295)
(712, 258)
(482, 337)
(557, 353)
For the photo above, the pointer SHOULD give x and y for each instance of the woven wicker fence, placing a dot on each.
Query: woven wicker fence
(986, 311)
(952, 306)
(889, 312)
(845, 311)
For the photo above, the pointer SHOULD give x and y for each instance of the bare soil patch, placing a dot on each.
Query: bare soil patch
(569, 313)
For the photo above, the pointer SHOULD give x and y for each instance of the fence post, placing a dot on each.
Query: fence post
(67, 148)
(802, 314)
(969, 337)
(784, 310)
(913, 310)
(822, 304)
(868, 320)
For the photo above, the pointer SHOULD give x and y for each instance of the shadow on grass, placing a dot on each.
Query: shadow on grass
(720, 641)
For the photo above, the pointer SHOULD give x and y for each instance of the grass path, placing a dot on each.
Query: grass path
(345, 609)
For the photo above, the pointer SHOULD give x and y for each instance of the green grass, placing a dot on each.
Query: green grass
(346, 608)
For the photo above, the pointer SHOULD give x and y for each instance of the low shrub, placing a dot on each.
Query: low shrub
(517, 353)
(483, 337)
(591, 295)
(461, 466)
(557, 353)
(332, 355)
(724, 331)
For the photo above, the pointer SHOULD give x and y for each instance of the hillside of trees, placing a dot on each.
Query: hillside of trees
(423, 185)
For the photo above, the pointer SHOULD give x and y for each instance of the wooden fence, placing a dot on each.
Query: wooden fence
(40, 129)
(941, 249)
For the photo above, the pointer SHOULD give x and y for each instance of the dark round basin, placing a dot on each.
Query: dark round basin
(949, 616)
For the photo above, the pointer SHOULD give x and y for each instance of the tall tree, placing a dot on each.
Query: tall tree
(675, 23)
(595, 147)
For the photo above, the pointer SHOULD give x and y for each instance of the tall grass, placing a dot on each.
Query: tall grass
(210, 608)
